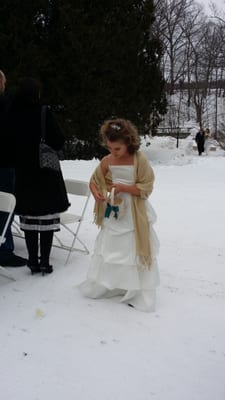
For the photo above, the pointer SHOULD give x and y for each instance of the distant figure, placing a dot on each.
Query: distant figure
(207, 139)
(200, 140)
(7, 183)
(124, 263)
(207, 133)
(40, 193)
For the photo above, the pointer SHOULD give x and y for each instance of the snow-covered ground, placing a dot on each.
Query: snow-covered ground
(57, 345)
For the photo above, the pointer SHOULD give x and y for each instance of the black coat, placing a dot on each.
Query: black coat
(7, 174)
(200, 140)
(37, 191)
(5, 142)
(7, 180)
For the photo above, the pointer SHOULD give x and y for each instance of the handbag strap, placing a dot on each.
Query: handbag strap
(43, 123)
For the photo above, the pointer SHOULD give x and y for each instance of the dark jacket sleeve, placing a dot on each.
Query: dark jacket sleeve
(6, 144)
(54, 134)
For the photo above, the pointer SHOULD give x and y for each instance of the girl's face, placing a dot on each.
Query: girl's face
(118, 149)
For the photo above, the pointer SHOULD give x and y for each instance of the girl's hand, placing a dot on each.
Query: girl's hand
(131, 189)
(119, 187)
(98, 196)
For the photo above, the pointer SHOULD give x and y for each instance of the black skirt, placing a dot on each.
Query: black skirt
(42, 223)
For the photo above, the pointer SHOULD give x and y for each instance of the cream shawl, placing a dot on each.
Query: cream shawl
(143, 179)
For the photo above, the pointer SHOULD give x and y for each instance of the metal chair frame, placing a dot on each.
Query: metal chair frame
(7, 205)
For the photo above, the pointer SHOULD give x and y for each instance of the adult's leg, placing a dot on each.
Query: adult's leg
(31, 239)
(46, 239)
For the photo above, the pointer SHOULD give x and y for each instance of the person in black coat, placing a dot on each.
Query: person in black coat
(40, 193)
(200, 140)
(7, 182)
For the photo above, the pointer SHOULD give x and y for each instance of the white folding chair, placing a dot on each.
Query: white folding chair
(7, 205)
(75, 189)
(16, 231)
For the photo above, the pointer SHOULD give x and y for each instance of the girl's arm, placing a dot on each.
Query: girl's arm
(131, 189)
(99, 197)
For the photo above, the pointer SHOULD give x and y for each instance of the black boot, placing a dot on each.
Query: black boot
(34, 267)
(46, 268)
(31, 238)
(46, 239)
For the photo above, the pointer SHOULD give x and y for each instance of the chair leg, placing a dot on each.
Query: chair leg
(71, 248)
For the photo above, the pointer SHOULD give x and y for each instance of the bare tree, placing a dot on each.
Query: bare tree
(170, 20)
(194, 52)
(192, 28)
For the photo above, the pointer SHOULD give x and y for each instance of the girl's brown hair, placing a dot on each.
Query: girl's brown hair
(120, 129)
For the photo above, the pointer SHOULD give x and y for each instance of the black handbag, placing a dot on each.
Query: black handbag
(48, 157)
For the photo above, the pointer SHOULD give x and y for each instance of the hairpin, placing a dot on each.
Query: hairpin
(116, 127)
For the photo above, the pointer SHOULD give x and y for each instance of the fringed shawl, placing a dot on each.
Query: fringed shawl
(143, 179)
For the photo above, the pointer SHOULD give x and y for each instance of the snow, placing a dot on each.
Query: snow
(56, 344)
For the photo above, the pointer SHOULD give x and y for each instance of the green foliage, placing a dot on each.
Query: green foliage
(96, 60)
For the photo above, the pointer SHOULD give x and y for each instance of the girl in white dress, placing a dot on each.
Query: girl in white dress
(124, 261)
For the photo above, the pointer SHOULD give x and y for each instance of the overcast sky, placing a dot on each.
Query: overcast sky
(219, 3)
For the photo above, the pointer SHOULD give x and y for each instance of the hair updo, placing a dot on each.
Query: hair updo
(123, 130)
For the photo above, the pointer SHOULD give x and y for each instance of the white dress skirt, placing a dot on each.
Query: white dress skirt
(114, 269)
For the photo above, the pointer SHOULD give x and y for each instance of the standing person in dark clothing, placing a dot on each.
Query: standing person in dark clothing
(200, 140)
(40, 193)
(7, 184)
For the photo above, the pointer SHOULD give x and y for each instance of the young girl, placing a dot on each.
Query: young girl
(124, 260)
